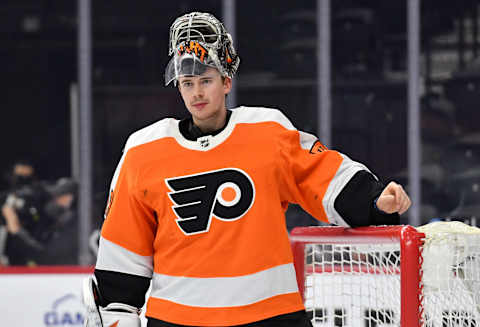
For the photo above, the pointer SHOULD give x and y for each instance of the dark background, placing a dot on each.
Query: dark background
(276, 41)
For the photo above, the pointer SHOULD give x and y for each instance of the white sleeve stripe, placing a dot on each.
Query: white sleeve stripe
(224, 292)
(113, 257)
(348, 168)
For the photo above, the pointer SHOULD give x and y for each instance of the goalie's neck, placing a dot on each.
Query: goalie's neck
(192, 132)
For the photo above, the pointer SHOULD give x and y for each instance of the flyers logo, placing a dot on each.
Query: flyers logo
(226, 194)
(317, 147)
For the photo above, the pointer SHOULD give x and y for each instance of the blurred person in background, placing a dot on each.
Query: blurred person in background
(61, 246)
(25, 223)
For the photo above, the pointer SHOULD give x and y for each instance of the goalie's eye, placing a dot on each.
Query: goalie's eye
(187, 84)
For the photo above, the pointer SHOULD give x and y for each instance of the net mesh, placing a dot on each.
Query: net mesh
(349, 284)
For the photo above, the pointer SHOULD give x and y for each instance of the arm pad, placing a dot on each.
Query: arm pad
(113, 315)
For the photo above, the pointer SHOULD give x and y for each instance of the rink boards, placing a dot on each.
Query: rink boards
(41, 297)
(51, 296)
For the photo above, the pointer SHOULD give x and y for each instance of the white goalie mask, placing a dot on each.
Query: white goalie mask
(198, 41)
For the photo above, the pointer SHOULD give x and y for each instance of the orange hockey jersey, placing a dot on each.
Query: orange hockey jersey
(205, 219)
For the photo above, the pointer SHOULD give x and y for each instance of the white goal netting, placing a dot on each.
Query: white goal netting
(348, 284)
(378, 277)
(451, 274)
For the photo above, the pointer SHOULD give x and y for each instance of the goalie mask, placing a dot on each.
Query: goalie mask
(198, 41)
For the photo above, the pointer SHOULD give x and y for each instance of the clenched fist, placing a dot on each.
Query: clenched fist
(393, 199)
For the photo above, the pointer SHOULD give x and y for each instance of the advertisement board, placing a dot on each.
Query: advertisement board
(42, 296)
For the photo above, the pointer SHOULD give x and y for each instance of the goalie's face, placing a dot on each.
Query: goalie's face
(204, 97)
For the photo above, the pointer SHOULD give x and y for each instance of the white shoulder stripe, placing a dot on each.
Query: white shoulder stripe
(254, 115)
(259, 115)
(345, 172)
(113, 257)
(163, 128)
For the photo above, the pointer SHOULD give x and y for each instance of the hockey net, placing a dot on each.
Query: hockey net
(389, 275)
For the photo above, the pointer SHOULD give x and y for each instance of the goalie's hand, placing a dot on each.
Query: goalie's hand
(393, 199)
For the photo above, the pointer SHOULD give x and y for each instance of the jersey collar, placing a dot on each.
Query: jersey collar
(203, 142)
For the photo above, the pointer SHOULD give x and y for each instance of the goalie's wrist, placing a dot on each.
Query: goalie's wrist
(380, 217)
(380, 211)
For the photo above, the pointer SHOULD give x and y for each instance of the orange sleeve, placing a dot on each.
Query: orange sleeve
(129, 220)
(309, 169)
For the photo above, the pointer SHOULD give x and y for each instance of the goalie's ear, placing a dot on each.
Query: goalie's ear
(113, 315)
(227, 84)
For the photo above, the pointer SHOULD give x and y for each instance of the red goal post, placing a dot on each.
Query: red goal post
(408, 240)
